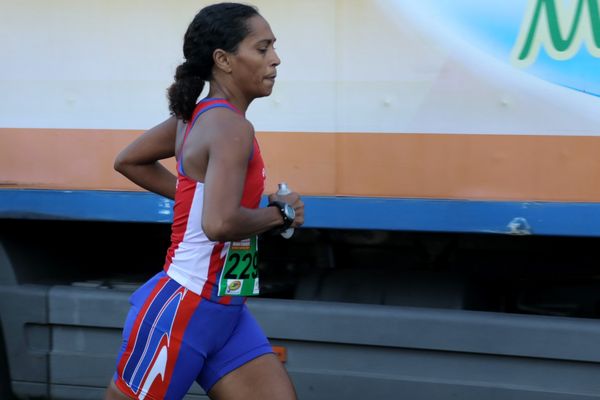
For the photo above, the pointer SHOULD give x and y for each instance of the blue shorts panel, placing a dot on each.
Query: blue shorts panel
(167, 345)
(245, 343)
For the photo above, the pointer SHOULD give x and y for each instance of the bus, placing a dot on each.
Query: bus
(448, 154)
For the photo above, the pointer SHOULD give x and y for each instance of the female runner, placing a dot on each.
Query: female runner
(190, 322)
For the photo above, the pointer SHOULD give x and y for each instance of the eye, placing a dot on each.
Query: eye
(263, 50)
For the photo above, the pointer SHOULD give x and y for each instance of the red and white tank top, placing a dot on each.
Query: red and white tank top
(193, 260)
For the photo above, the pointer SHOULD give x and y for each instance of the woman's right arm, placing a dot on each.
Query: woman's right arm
(139, 161)
(230, 141)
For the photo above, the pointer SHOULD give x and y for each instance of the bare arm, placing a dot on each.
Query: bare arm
(139, 161)
(225, 142)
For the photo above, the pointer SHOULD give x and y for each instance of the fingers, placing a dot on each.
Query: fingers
(299, 208)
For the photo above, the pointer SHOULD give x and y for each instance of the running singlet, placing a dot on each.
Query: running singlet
(223, 272)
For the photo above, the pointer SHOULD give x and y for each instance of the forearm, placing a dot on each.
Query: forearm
(242, 224)
(153, 177)
(139, 161)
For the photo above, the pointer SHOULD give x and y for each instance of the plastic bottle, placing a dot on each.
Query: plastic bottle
(283, 190)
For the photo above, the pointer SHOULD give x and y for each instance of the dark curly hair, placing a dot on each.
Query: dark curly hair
(218, 26)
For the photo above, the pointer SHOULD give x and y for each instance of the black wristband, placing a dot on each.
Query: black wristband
(287, 213)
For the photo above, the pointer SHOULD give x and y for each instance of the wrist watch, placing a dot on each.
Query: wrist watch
(287, 213)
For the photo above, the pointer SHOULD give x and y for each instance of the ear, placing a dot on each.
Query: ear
(222, 60)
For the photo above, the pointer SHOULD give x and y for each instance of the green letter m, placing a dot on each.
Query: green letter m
(534, 34)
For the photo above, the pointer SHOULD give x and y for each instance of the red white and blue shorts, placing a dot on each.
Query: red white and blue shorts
(173, 337)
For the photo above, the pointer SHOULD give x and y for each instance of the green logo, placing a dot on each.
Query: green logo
(561, 27)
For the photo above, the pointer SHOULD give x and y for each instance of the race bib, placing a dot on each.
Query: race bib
(240, 273)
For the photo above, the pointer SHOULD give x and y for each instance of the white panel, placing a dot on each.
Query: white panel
(347, 65)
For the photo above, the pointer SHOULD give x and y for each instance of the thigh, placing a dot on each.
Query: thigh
(245, 367)
(113, 393)
(155, 361)
(263, 378)
(244, 342)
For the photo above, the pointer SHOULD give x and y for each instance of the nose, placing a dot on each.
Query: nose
(276, 60)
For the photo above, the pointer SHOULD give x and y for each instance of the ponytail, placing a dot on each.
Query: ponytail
(184, 92)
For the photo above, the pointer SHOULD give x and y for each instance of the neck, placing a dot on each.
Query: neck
(232, 95)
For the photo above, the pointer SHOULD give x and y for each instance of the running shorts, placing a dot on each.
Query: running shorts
(173, 337)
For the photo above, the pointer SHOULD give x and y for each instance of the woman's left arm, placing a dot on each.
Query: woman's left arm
(139, 161)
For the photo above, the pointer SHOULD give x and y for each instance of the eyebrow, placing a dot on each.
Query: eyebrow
(266, 41)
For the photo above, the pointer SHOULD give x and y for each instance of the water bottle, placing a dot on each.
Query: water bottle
(283, 190)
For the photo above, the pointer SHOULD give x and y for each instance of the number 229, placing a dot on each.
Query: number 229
(248, 260)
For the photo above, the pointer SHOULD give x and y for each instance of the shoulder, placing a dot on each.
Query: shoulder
(225, 123)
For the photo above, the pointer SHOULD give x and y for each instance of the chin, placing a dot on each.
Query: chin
(265, 93)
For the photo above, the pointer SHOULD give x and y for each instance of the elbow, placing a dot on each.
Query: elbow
(122, 164)
(119, 164)
(218, 231)
(215, 234)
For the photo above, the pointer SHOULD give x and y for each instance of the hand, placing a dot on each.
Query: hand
(294, 200)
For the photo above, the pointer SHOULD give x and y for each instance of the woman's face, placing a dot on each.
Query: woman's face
(254, 66)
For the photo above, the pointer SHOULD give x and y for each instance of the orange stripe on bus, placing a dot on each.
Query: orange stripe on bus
(449, 166)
